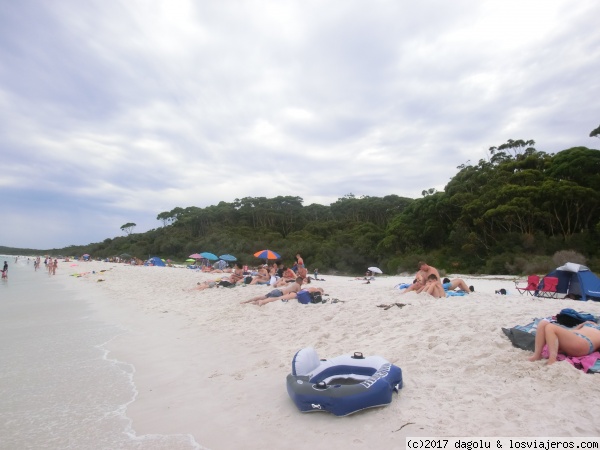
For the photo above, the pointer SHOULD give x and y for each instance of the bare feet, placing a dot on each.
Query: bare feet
(535, 357)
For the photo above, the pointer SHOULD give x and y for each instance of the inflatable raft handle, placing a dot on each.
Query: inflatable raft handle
(321, 385)
(358, 355)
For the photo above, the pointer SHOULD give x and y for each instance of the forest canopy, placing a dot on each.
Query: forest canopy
(510, 213)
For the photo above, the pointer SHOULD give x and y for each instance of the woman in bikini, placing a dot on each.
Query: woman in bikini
(579, 341)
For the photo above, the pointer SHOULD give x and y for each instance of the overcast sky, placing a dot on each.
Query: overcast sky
(115, 111)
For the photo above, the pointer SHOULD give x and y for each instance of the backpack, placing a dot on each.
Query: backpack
(571, 318)
(316, 297)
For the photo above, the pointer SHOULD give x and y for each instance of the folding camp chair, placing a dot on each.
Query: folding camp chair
(548, 287)
(532, 285)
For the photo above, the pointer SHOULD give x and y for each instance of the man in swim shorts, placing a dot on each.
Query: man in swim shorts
(290, 296)
(451, 285)
(291, 287)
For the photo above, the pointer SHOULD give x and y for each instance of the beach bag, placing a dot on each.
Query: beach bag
(571, 318)
(304, 297)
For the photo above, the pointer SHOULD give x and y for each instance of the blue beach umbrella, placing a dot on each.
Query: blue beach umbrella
(209, 256)
(228, 257)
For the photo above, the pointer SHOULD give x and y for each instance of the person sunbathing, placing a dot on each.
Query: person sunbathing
(451, 285)
(433, 287)
(584, 341)
(263, 277)
(290, 296)
(417, 285)
(201, 285)
(291, 287)
(237, 275)
(424, 271)
(288, 276)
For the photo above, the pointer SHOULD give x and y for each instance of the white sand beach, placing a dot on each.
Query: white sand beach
(208, 366)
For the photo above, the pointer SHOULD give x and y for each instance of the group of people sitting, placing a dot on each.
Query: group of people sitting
(276, 275)
(427, 280)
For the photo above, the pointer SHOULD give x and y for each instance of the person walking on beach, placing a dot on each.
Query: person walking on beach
(54, 266)
(291, 287)
(5, 270)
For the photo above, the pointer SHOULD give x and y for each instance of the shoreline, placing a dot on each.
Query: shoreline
(208, 366)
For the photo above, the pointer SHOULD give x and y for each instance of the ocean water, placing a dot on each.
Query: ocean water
(59, 387)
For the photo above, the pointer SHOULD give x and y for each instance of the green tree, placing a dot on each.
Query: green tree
(128, 227)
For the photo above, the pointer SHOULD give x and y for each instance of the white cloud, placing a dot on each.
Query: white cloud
(113, 112)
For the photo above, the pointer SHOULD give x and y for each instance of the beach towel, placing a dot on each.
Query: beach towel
(455, 293)
(523, 336)
(589, 363)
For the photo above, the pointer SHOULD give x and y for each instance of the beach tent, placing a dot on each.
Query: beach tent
(577, 280)
(155, 261)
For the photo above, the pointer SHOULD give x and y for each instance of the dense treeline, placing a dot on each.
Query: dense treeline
(508, 214)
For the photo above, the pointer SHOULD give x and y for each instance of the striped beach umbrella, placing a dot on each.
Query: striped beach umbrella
(267, 254)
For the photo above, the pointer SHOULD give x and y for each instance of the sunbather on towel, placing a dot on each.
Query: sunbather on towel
(291, 287)
(451, 285)
(290, 296)
(582, 342)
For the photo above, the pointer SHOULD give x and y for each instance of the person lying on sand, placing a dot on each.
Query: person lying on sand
(451, 285)
(290, 296)
(291, 287)
(204, 285)
(566, 340)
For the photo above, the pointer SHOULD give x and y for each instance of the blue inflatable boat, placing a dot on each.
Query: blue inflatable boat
(342, 385)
